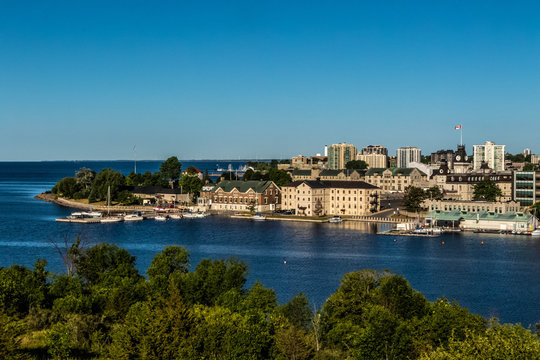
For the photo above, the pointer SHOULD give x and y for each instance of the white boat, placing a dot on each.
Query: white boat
(92, 214)
(535, 232)
(258, 217)
(134, 217)
(75, 215)
(160, 218)
(335, 219)
(112, 219)
(175, 216)
(198, 215)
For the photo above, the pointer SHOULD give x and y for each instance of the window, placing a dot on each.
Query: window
(265, 200)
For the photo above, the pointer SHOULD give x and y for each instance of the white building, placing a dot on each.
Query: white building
(489, 153)
(408, 154)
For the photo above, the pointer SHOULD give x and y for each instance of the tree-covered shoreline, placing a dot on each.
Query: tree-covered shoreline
(103, 308)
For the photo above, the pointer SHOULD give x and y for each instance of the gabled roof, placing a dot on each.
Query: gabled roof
(196, 170)
(330, 172)
(326, 184)
(300, 172)
(243, 186)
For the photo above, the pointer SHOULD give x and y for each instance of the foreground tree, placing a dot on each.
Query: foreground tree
(497, 342)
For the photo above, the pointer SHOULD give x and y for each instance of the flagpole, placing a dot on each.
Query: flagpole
(461, 134)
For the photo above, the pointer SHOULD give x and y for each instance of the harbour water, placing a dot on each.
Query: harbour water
(500, 278)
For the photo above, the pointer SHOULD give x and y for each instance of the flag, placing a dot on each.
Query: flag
(457, 127)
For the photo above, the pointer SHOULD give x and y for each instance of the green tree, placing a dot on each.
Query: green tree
(102, 263)
(11, 330)
(155, 330)
(191, 184)
(413, 198)
(106, 178)
(486, 190)
(297, 311)
(21, 288)
(531, 167)
(171, 169)
(279, 177)
(496, 342)
(211, 280)
(425, 159)
(173, 260)
(434, 193)
(293, 343)
(67, 187)
(85, 177)
(356, 165)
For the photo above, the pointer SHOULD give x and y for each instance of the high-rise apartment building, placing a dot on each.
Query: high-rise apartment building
(408, 154)
(374, 149)
(340, 154)
(489, 153)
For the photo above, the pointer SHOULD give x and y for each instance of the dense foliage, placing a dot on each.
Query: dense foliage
(414, 196)
(105, 309)
(486, 190)
(280, 177)
(517, 158)
(88, 184)
(356, 165)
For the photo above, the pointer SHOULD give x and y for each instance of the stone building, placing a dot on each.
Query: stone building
(320, 197)
(236, 195)
(396, 179)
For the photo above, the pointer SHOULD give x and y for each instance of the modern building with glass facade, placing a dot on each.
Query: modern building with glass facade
(340, 154)
(526, 187)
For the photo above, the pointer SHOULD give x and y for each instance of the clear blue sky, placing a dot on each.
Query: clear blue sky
(264, 79)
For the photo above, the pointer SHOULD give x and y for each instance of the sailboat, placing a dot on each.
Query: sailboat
(108, 218)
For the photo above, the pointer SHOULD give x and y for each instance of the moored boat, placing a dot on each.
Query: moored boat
(175, 216)
(197, 215)
(258, 217)
(335, 219)
(161, 218)
(136, 216)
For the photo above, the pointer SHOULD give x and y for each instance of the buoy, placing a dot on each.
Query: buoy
(395, 240)
(482, 243)
(442, 243)
(284, 261)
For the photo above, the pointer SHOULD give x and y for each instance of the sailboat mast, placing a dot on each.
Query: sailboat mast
(108, 199)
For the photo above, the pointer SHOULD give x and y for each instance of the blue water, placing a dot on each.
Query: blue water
(498, 279)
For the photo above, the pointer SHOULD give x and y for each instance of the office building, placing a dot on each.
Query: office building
(526, 187)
